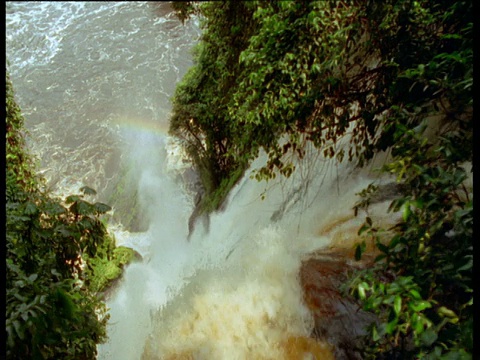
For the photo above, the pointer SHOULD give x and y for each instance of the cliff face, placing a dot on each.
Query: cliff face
(339, 321)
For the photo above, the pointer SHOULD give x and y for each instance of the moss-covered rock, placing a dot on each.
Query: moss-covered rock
(122, 194)
(103, 271)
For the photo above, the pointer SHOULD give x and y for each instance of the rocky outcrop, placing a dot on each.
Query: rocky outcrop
(338, 319)
(198, 214)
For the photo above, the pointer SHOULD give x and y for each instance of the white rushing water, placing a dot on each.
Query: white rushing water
(94, 81)
(232, 291)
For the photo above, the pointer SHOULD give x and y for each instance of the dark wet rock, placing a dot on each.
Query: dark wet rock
(338, 319)
(137, 257)
(197, 215)
(193, 186)
(387, 191)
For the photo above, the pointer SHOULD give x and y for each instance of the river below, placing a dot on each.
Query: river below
(92, 78)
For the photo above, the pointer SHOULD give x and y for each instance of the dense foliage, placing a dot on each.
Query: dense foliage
(309, 72)
(393, 75)
(200, 115)
(421, 284)
(51, 312)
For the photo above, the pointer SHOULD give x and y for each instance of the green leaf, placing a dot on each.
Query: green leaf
(382, 248)
(18, 329)
(53, 208)
(82, 207)
(30, 208)
(102, 208)
(415, 294)
(417, 324)
(395, 241)
(406, 211)
(87, 223)
(55, 272)
(420, 305)
(360, 248)
(375, 335)
(380, 257)
(361, 290)
(362, 229)
(443, 311)
(10, 336)
(468, 266)
(88, 190)
(397, 304)
(20, 297)
(428, 337)
(72, 198)
(64, 231)
(390, 328)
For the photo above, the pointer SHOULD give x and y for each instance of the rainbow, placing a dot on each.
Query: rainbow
(142, 125)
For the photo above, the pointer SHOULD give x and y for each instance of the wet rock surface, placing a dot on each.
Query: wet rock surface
(338, 319)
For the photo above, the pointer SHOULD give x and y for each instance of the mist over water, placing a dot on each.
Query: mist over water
(94, 81)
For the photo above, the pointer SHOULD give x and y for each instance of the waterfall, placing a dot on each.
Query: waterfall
(231, 291)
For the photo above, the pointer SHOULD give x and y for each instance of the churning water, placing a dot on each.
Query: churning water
(94, 80)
